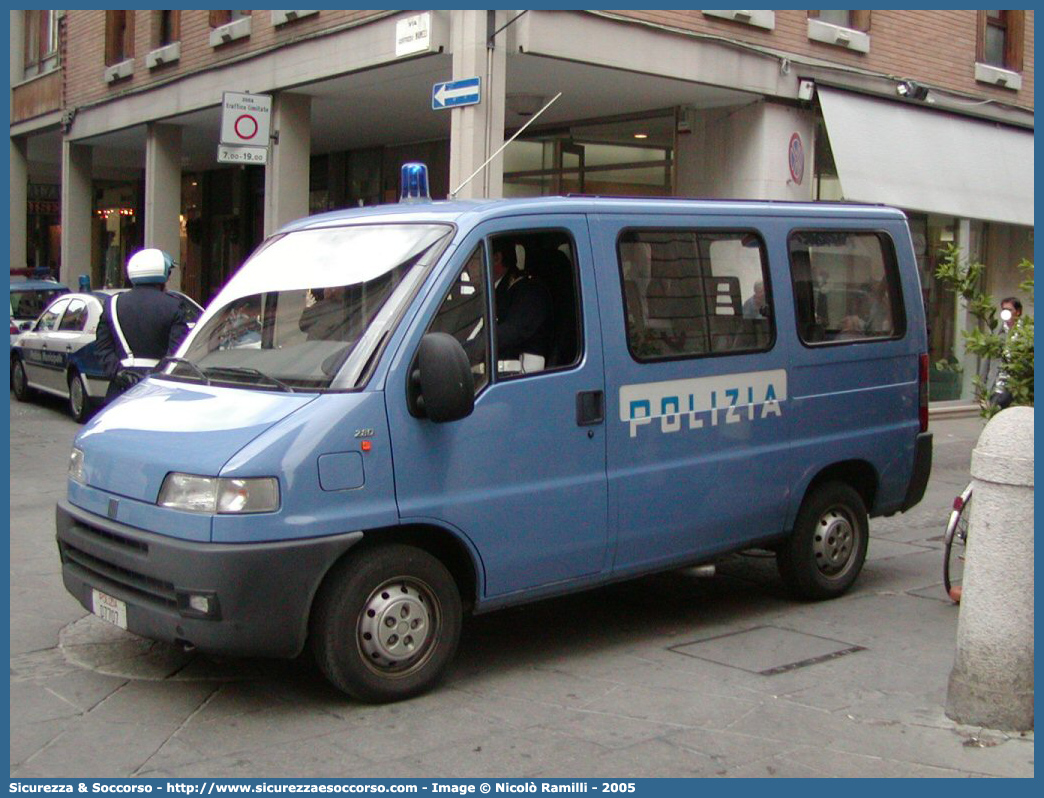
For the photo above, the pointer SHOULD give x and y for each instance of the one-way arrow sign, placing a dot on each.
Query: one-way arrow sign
(456, 93)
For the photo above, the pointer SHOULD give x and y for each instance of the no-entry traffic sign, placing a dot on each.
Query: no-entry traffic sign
(245, 118)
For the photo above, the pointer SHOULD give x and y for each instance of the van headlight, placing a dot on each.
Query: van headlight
(76, 466)
(196, 494)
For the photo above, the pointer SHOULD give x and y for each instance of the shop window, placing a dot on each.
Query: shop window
(846, 287)
(623, 157)
(1000, 39)
(41, 41)
(689, 293)
(119, 36)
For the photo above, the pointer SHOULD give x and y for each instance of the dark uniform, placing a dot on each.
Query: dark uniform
(524, 317)
(152, 322)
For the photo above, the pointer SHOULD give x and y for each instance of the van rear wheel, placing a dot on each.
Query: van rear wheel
(386, 623)
(825, 553)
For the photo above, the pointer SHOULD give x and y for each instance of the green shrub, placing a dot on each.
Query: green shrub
(986, 340)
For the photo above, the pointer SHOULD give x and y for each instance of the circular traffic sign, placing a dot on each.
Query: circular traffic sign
(796, 157)
(246, 127)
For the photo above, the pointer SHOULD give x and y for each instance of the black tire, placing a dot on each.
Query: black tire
(386, 623)
(956, 539)
(19, 381)
(81, 406)
(826, 550)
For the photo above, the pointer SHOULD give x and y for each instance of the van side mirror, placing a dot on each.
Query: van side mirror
(441, 387)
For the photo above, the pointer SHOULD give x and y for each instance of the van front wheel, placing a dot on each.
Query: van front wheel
(386, 623)
(825, 553)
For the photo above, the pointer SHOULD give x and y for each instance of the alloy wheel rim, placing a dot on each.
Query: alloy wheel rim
(76, 397)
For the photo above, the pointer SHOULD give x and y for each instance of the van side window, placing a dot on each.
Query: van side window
(689, 293)
(536, 301)
(846, 287)
(463, 314)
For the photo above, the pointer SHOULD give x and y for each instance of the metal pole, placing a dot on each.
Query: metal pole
(501, 148)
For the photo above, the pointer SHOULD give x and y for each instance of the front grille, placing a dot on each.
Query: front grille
(112, 537)
(97, 570)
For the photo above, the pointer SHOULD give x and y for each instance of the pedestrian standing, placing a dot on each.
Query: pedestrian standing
(1011, 314)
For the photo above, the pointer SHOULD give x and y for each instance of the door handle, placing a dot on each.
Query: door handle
(590, 408)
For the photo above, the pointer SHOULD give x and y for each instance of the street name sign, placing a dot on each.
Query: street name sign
(413, 34)
(455, 93)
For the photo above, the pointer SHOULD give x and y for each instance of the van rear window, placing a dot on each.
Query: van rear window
(846, 287)
(691, 293)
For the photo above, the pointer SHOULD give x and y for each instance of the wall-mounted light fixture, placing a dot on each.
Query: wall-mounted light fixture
(911, 90)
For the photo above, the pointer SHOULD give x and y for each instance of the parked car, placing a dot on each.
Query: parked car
(56, 354)
(28, 299)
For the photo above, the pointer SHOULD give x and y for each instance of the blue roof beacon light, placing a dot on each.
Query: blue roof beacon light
(414, 183)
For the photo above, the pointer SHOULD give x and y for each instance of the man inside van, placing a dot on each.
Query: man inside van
(755, 307)
(325, 317)
(524, 310)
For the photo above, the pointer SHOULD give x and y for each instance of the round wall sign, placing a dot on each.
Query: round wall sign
(796, 156)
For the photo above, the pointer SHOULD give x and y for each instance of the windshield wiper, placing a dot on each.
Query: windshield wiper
(243, 371)
(180, 361)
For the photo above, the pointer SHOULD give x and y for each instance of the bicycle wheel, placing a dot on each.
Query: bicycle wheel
(956, 540)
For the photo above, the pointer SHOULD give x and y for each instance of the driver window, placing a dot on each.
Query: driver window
(463, 315)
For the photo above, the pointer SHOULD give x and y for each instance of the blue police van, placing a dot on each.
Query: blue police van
(356, 446)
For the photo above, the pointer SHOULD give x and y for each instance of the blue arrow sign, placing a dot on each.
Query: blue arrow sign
(456, 93)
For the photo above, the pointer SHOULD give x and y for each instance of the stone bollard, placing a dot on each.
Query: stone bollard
(991, 683)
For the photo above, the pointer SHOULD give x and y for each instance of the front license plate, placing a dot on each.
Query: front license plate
(109, 609)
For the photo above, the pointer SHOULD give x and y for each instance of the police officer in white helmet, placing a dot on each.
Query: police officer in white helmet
(140, 327)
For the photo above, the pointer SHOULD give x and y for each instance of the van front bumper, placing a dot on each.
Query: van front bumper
(258, 595)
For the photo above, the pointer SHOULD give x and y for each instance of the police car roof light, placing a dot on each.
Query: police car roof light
(414, 183)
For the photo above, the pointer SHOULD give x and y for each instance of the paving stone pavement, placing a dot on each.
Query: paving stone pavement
(671, 675)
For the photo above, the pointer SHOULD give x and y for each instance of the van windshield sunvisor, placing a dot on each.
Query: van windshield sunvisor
(308, 311)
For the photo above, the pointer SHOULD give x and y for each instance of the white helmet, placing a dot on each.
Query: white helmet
(149, 266)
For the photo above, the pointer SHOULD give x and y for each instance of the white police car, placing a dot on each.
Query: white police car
(28, 298)
(56, 355)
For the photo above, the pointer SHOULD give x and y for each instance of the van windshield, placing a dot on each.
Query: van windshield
(311, 309)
